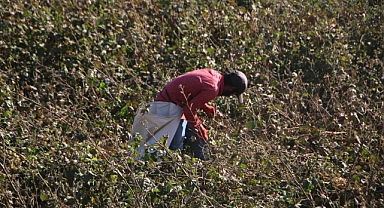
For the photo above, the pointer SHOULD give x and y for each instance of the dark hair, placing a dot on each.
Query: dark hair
(228, 80)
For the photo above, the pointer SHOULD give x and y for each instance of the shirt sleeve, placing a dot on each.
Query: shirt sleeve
(197, 103)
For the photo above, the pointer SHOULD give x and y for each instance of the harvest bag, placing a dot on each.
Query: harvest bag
(154, 120)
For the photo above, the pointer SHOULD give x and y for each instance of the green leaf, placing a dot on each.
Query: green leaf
(43, 197)
(3, 177)
(93, 152)
(210, 51)
(113, 177)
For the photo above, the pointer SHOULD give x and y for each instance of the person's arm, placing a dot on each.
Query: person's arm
(198, 102)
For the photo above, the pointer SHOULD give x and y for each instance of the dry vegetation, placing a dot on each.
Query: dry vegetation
(309, 135)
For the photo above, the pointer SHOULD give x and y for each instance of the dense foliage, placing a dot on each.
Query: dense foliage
(73, 74)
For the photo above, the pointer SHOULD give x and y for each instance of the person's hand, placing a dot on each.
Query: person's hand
(202, 133)
(210, 111)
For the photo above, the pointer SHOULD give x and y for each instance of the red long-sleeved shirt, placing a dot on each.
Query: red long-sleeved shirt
(198, 87)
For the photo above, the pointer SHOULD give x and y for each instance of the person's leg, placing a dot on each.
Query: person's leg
(198, 146)
(178, 139)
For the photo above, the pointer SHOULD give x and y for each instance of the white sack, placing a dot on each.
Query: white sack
(154, 120)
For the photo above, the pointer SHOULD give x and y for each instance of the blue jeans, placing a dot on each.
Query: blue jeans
(198, 146)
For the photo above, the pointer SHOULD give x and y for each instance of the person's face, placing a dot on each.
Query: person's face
(229, 90)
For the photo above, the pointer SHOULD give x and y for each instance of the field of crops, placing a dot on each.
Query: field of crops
(310, 133)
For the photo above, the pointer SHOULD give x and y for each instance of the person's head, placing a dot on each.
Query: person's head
(235, 83)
